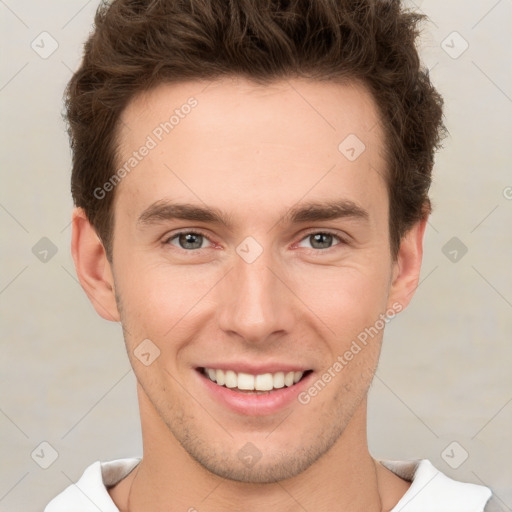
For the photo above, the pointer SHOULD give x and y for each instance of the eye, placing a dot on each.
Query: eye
(321, 240)
(188, 240)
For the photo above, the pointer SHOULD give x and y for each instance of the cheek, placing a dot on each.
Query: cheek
(158, 300)
(347, 298)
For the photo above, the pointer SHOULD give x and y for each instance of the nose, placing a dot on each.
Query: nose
(255, 301)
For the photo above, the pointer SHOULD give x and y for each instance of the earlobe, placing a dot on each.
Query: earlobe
(92, 267)
(407, 267)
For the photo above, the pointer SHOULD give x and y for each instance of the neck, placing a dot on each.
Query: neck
(168, 479)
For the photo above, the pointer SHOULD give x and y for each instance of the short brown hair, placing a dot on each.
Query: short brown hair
(138, 44)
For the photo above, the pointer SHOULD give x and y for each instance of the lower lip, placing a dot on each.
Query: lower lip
(252, 404)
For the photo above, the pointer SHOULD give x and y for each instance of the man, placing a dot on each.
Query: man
(251, 188)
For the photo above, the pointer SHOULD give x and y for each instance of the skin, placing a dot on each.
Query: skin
(253, 152)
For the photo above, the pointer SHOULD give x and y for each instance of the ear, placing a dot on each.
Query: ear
(407, 267)
(92, 267)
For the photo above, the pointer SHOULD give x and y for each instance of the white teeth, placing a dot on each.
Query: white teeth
(245, 381)
(248, 382)
(288, 379)
(264, 382)
(219, 376)
(279, 380)
(230, 379)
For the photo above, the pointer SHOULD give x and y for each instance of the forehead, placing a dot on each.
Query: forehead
(223, 103)
(292, 137)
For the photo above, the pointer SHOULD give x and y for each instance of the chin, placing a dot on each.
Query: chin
(270, 464)
(261, 472)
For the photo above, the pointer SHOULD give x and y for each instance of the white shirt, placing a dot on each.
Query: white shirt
(430, 491)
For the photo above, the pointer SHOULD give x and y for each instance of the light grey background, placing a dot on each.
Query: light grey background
(445, 372)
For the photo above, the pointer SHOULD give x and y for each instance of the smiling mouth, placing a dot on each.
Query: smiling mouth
(264, 383)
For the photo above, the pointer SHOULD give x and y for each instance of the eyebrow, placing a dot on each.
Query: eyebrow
(165, 210)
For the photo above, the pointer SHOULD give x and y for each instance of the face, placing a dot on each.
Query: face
(251, 252)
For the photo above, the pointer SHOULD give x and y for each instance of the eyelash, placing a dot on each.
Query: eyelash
(342, 241)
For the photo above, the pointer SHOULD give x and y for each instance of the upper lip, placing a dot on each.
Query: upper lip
(256, 369)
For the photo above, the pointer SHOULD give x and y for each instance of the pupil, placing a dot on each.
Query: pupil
(322, 240)
(190, 241)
